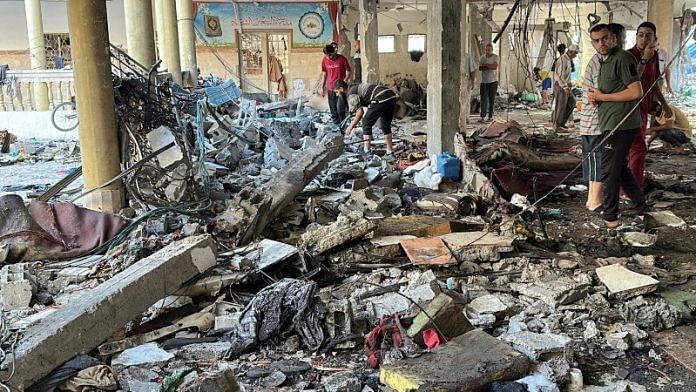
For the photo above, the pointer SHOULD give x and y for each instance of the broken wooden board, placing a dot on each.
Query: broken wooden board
(427, 251)
(319, 239)
(79, 327)
(680, 344)
(623, 283)
(470, 362)
(417, 225)
(478, 245)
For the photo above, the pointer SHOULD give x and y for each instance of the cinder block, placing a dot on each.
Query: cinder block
(16, 286)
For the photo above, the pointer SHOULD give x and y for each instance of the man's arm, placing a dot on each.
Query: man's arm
(472, 80)
(650, 51)
(358, 117)
(668, 79)
(663, 101)
(633, 92)
(349, 70)
(323, 83)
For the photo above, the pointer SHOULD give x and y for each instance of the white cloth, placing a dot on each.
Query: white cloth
(489, 75)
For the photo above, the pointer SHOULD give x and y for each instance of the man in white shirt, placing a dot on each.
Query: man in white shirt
(489, 82)
(562, 93)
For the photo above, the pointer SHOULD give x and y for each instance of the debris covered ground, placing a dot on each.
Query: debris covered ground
(262, 251)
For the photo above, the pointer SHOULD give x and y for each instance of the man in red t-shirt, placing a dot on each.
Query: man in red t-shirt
(645, 52)
(334, 67)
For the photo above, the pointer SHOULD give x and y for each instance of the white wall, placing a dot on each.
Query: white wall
(13, 22)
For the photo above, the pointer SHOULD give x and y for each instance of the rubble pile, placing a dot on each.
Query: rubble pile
(262, 250)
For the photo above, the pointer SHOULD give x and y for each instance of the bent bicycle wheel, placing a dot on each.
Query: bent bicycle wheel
(64, 117)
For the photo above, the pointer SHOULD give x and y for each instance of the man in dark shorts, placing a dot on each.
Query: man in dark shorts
(380, 102)
(617, 95)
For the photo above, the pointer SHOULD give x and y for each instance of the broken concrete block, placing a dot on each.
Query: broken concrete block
(556, 370)
(221, 379)
(657, 219)
(428, 251)
(149, 353)
(229, 156)
(538, 383)
(486, 304)
(446, 314)
(422, 286)
(650, 313)
(342, 382)
(107, 308)
(478, 245)
(562, 291)
(639, 239)
(319, 239)
(339, 318)
(204, 352)
(161, 137)
(470, 362)
(575, 381)
(16, 286)
(227, 320)
(624, 283)
(541, 346)
(389, 303)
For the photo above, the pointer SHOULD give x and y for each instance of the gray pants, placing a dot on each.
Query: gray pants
(563, 109)
(488, 92)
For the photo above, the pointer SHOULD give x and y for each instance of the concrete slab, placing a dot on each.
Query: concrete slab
(541, 346)
(562, 291)
(486, 304)
(470, 362)
(81, 326)
(624, 283)
(478, 245)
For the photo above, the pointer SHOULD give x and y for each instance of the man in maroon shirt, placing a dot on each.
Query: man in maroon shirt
(645, 52)
(334, 67)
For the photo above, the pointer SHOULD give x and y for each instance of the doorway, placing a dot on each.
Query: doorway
(257, 50)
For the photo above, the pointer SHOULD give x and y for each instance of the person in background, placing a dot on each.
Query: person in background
(675, 131)
(357, 62)
(489, 82)
(544, 82)
(380, 102)
(334, 67)
(645, 52)
(562, 93)
(617, 94)
(665, 81)
(591, 135)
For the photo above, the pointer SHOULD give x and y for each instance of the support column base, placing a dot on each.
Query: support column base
(106, 200)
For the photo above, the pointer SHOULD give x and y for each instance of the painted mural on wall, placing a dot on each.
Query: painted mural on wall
(312, 24)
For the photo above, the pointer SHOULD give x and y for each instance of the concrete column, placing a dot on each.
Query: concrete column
(464, 77)
(187, 40)
(37, 50)
(661, 12)
(140, 35)
(369, 35)
(444, 45)
(96, 110)
(168, 38)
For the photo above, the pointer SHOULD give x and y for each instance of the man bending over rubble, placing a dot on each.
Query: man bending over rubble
(616, 95)
(380, 102)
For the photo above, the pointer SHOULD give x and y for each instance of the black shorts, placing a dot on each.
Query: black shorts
(384, 112)
(675, 137)
(592, 160)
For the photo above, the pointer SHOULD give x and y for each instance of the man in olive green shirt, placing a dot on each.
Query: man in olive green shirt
(619, 118)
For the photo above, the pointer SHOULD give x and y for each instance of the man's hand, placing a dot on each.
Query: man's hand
(566, 91)
(650, 51)
(323, 92)
(594, 95)
(349, 130)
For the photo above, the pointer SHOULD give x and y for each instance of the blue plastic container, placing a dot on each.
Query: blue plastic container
(449, 166)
